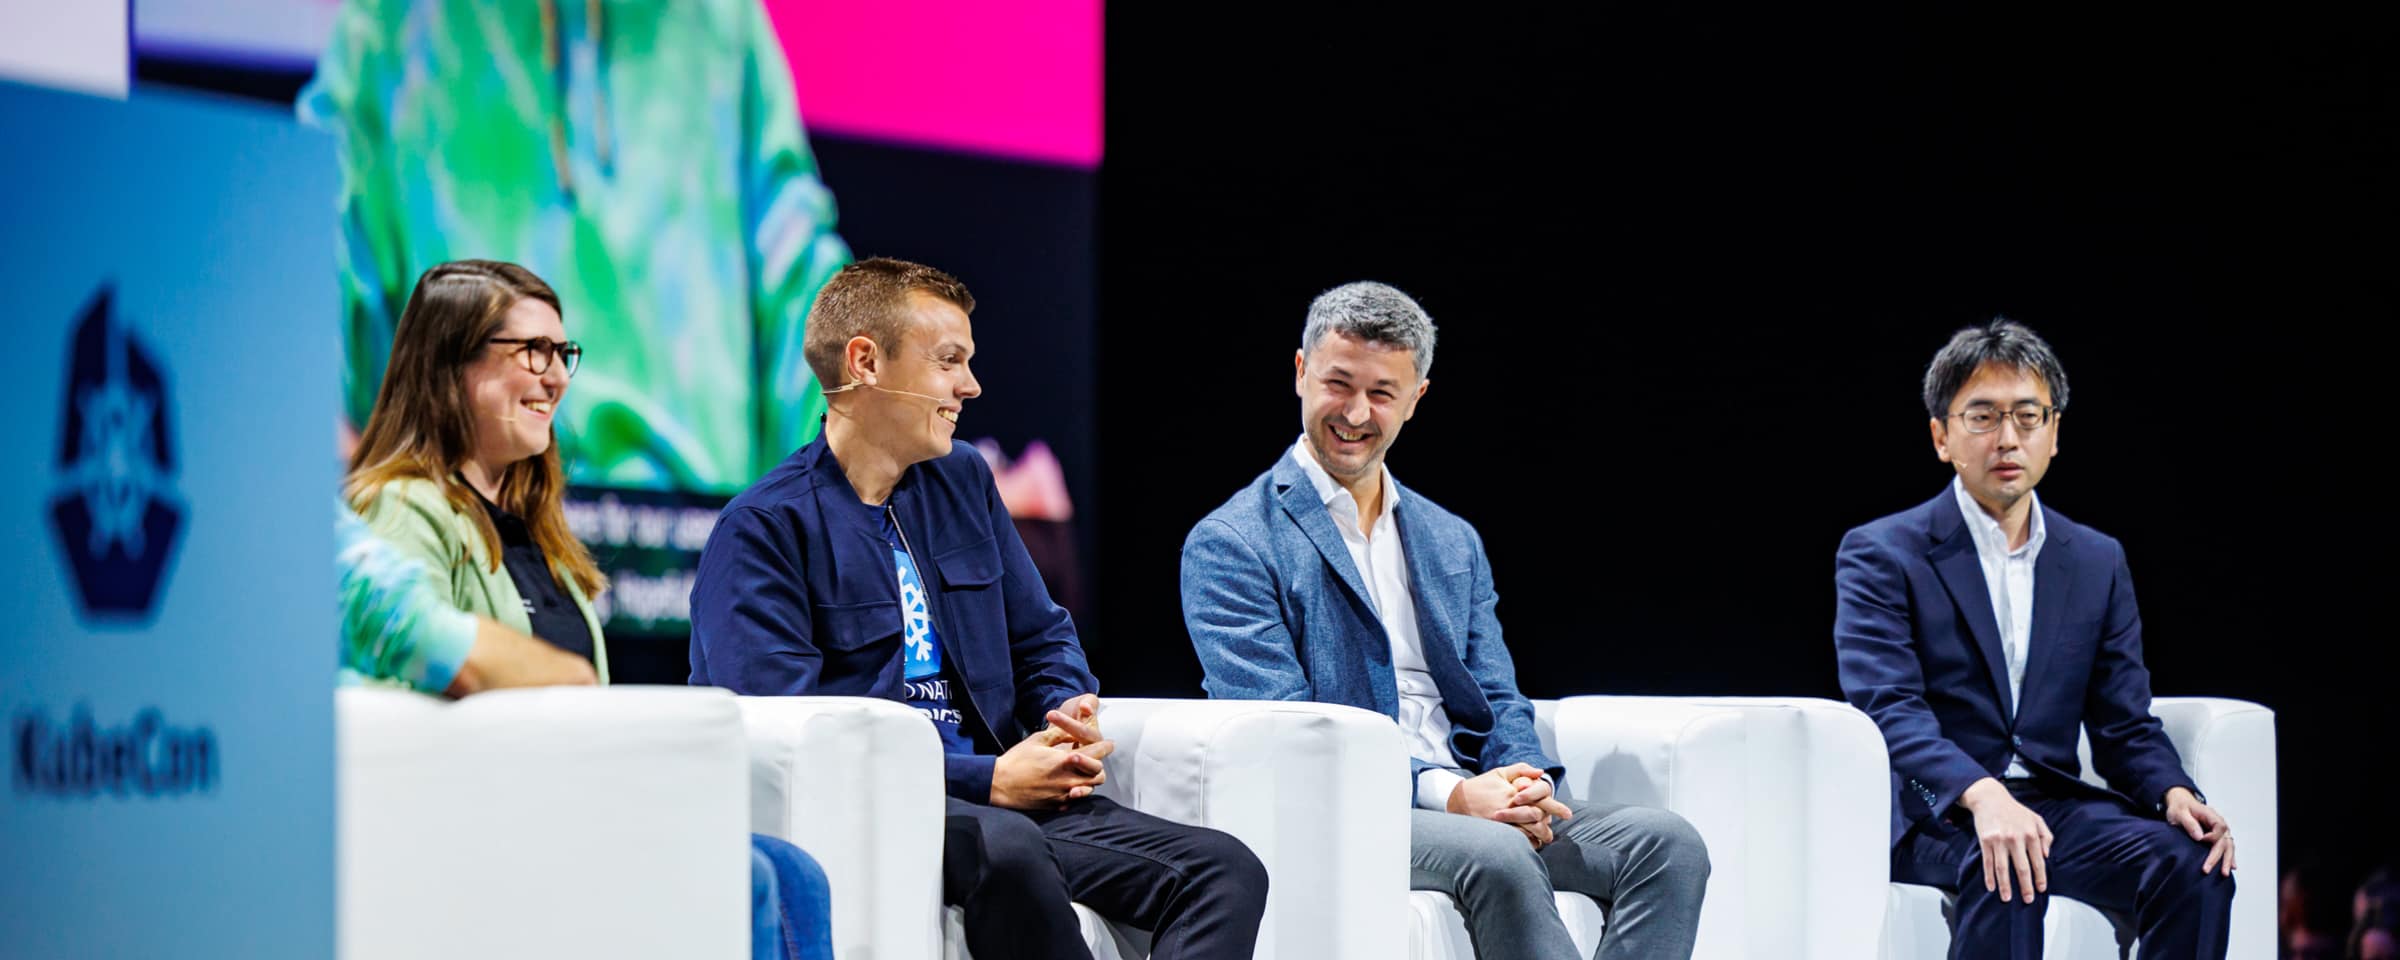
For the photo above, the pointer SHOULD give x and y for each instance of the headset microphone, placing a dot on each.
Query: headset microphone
(855, 384)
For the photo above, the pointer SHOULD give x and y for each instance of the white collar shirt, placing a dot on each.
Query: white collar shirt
(2008, 578)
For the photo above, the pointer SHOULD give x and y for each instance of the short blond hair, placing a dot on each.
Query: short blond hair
(870, 299)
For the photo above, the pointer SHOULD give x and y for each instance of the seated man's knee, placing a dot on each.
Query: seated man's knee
(2180, 858)
(1230, 868)
(1233, 859)
(2167, 843)
(1677, 844)
(1499, 853)
(2184, 874)
(1000, 847)
(2218, 884)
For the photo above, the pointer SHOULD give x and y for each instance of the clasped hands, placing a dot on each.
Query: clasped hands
(1058, 763)
(1516, 795)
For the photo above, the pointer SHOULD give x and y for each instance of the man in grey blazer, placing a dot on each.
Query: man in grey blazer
(1290, 595)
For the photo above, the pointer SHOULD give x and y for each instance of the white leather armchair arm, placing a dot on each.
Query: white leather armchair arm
(2228, 747)
(582, 822)
(857, 783)
(1791, 794)
(1319, 792)
(1679, 755)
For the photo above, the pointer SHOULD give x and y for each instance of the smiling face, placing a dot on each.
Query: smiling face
(2000, 467)
(923, 383)
(511, 405)
(1354, 395)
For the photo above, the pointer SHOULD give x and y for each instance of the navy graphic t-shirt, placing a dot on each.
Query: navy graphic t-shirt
(927, 679)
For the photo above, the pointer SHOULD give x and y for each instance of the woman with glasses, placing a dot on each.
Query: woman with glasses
(457, 465)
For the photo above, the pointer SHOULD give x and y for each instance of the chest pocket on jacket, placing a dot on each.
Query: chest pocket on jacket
(974, 566)
(852, 626)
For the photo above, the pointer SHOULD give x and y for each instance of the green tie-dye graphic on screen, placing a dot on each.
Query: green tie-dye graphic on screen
(643, 156)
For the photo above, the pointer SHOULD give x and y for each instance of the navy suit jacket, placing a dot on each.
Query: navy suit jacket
(1920, 652)
(1277, 611)
(796, 595)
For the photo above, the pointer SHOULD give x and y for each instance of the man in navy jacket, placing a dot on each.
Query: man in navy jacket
(1982, 631)
(878, 561)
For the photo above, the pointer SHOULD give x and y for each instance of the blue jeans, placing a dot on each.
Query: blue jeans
(790, 903)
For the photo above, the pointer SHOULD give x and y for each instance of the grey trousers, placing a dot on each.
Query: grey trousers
(1647, 867)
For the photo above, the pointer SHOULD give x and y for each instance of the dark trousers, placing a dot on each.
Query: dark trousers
(1199, 891)
(2128, 864)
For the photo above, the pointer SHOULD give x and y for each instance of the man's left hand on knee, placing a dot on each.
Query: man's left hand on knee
(2205, 824)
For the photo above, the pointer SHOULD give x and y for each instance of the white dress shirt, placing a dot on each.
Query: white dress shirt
(1375, 551)
(2008, 577)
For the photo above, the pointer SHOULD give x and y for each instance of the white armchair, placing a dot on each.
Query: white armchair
(1791, 794)
(1319, 792)
(857, 783)
(593, 823)
(2228, 747)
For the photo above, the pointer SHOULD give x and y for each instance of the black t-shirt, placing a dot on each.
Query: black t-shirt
(548, 607)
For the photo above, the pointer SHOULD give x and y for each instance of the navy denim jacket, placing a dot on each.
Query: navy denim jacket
(796, 595)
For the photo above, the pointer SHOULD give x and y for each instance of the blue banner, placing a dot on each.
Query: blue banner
(168, 396)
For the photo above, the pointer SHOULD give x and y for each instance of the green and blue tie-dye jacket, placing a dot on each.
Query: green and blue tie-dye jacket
(396, 628)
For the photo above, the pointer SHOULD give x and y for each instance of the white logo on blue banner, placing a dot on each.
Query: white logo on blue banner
(115, 511)
(169, 635)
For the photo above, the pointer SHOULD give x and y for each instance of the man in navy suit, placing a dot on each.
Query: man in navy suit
(1982, 631)
(1327, 580)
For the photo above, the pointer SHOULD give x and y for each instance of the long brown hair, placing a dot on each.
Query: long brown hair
(421, 429)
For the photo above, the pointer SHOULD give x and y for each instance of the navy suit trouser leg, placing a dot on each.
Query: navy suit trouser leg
(2125, 863)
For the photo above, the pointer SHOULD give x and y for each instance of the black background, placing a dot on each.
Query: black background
(1688, 267)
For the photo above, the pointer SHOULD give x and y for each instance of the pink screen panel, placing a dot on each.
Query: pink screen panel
(1015, 78)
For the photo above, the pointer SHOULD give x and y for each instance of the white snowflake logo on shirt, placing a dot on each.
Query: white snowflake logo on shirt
(916, 622)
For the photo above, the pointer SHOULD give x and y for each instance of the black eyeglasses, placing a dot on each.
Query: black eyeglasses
(537, 353)
(1984, 418)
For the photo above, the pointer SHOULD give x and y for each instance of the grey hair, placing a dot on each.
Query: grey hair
(2002, 341)
(1373, 312)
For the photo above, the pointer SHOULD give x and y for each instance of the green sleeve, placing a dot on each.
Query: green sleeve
(413, 517)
